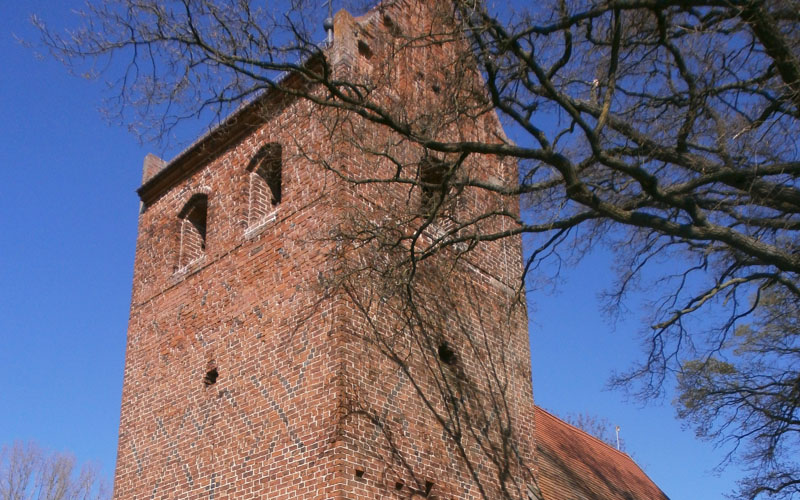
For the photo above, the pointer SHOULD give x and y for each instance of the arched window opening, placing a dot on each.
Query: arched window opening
(265, 182)
(432, 182)
(193, 229)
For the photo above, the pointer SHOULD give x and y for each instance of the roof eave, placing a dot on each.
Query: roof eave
(239, 123)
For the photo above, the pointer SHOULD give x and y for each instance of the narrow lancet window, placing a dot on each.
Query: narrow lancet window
(193, 229)
(265, 182)
(432, 182)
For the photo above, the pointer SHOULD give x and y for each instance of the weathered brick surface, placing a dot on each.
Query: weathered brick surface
(312, 399)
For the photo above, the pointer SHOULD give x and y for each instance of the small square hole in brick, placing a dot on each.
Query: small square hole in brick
(359, 473)
(211, 377)
(447, 354)
(399, 485)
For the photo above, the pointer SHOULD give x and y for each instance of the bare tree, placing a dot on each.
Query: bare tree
(748, 394)
(598, 427)
(29, 473)
(666, 130)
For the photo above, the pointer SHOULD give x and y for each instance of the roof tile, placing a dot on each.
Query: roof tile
(574, 465)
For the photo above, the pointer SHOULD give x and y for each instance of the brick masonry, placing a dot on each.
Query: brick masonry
(285, 359)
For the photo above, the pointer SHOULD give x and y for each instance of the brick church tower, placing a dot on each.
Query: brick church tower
(294, 334)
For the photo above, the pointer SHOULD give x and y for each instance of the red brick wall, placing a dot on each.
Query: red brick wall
(326, 388)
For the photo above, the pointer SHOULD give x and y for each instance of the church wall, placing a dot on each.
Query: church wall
(251, 307)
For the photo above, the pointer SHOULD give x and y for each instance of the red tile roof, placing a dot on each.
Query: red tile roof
(574, 465)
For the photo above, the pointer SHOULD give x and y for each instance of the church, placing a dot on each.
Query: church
(312, 317)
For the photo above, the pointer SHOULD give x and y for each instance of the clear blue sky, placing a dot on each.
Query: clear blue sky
(67, 235)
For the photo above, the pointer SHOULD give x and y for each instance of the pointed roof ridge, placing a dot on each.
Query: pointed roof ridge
(574, 428)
